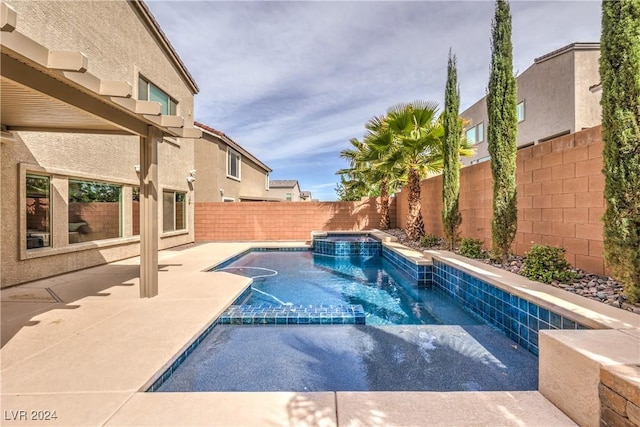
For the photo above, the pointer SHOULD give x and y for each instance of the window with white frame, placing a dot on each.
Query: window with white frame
(233, 164)
(520, 111)
(147, 91)
(174, 210)
(475, 135)
(266, 181)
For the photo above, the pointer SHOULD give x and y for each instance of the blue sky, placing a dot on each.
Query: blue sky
(293, 81)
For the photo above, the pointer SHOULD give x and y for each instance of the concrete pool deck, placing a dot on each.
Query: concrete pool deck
(84, 345)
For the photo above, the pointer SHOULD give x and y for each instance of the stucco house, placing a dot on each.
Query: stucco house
(97, 126)
(288, 190)
(226, 171)
(556, 96)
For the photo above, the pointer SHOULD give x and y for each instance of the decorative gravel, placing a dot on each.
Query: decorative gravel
(599, 288)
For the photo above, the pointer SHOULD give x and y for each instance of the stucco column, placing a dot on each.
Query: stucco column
(149, 213)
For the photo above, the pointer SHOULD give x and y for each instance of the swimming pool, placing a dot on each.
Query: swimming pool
(415, 338)
(304, 278)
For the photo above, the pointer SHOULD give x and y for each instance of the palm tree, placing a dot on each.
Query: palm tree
(411, 137)
(402, 147)
(389, 175)
(368, 173)
(355, 179)
(412, 142)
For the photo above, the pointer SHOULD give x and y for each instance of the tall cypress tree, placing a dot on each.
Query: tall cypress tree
(451, 218)
(620, 74)
(501, 132)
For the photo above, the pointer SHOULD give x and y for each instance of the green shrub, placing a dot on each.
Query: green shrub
(545, 264)
(430, 241)
(472, 248)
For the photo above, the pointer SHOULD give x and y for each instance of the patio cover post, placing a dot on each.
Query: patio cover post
(149, 212)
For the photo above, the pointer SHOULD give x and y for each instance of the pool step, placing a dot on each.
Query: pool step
(263, 314)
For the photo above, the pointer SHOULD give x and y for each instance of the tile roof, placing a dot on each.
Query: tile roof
(283, 183)
(231, 143)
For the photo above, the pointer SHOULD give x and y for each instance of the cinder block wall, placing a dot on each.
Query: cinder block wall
(282, 221)
(560, 199)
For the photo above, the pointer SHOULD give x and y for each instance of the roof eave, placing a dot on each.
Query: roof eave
(156, 30)
(207, 130)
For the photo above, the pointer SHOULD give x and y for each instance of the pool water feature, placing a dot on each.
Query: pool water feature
(361, 245)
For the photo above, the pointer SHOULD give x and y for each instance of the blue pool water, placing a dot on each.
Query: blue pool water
(415, 338)
(386, 294)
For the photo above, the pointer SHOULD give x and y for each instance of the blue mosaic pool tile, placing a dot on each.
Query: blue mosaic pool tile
(517, 317)
(290, 249)
(421, 274)
(555, 320)
(171, 369)
(323, 246)
(262, 314)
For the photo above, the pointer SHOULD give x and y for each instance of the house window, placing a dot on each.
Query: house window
(471, 135)
(520, 111)
(288, 196)
(174, 211)
(266, 182)
(228, 199)
(147, 91)
(95, 211)
(475, 134)
(480, 132)
(38, 211)
(233, 164)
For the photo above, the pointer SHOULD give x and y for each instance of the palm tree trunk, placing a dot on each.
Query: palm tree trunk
(415, 225)
(385, 220)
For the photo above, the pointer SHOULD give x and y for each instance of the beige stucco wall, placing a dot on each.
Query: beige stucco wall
(211, 164)
(547, 89)
(281, 193)
(588, 109)
(118, 46)
(556, 98)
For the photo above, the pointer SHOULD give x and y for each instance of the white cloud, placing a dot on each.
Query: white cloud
(294, 80)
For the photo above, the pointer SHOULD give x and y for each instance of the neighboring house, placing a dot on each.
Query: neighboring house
(555, 97)
(226, 171)
(288, 190)
(94, 99)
